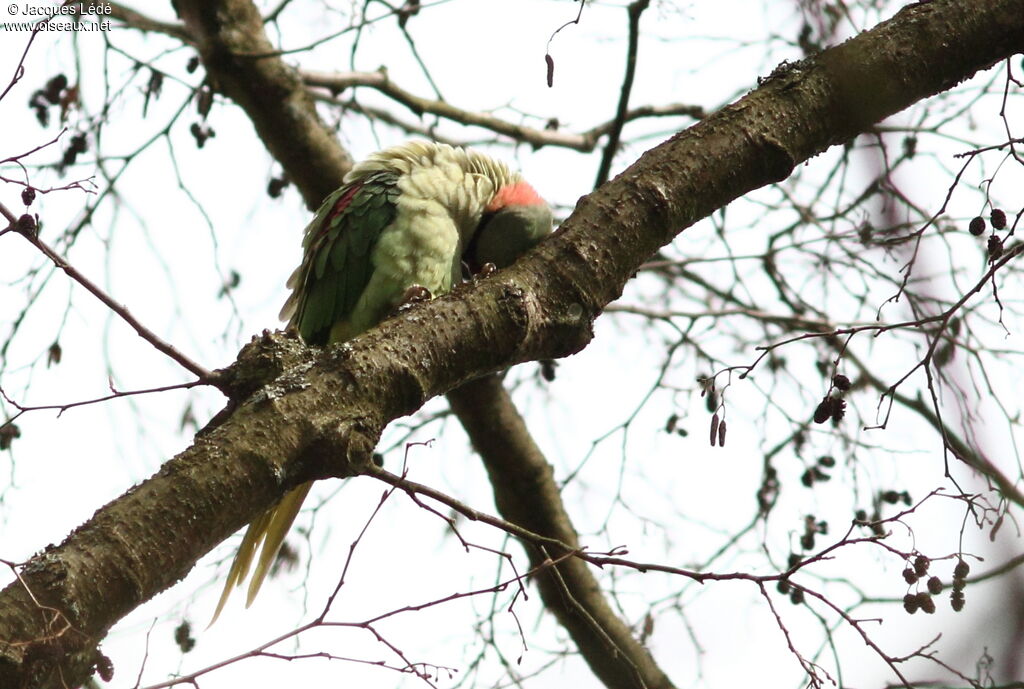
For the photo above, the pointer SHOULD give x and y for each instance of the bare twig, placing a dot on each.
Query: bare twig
(636, 9)
(136, 20)
(115, 394)
(145, 333)
(586, 141)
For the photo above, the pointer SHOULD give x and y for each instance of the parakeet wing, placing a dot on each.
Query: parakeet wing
(336, 265)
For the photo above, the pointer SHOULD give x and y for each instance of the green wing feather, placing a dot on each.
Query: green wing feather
(338, 245)
(335, 269)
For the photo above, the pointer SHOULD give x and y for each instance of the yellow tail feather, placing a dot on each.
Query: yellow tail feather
(269, 528)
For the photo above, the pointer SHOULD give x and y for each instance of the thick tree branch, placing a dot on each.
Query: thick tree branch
(527, 494)
(322, 412)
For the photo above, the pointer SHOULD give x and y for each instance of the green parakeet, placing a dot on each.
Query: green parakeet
(407, 216)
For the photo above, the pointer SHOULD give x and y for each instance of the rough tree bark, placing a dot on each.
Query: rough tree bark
(289, 420)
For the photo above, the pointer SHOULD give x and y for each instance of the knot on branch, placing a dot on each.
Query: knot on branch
(572, 328)
(339, 450)
(557, 322)
(265, 358)
(777, 162)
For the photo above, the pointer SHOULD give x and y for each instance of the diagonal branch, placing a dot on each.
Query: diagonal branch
(321, 413)
(145, 333)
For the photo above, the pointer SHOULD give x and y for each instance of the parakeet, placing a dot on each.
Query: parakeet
(408, 216)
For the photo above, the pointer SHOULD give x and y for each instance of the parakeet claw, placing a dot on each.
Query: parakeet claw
(415, 294)
(486, 270)
(470, 273)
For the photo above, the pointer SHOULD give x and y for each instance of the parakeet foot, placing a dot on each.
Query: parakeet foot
(414, 295)
(486, 270)
(471, 273)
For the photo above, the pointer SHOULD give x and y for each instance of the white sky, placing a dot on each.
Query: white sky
(151, 248)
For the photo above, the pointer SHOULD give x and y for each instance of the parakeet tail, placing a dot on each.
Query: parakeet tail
(270, 529)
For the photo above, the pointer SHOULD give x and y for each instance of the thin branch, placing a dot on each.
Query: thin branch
(134, 19)
(586, 141)
(145, 333)
(413, 488)
(636, 9)
(115, 394)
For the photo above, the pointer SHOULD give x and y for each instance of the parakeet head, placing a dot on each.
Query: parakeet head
(515, 219)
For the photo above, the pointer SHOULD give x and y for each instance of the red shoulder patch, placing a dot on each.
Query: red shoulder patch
(519, 194)
(342, 203)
